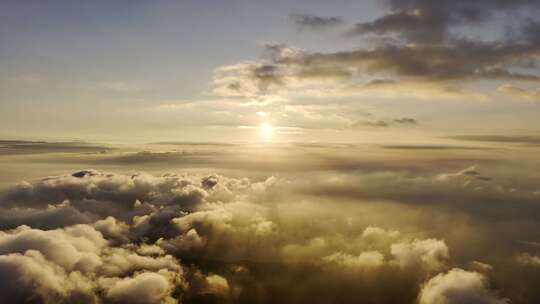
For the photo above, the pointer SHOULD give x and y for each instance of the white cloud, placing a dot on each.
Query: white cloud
(457, 287)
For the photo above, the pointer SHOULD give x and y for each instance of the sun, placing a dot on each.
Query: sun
(266, 130)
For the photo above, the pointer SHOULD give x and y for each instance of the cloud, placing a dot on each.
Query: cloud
(430, 253)
(420, 21)
(412, 89)
(74, 249)
(527, 259)
(30, 276)
(406, 121)
(371, 123)
(248, 80)
(458, 286)
(417, 25)
(143, 288)
(216, 284)
(385, 123)
(432, 147)
(16, 147)
(153, 240)
(76, 264)
(427, 52)
(531, 95)
(423, 72)
(458, 61)
(267, 82)
(511, 139)
(416, 71)
(366, 259)
(465, 191)
(309, 22)
(501, 73)
(96, 192)
(125, 256)
(54, 216)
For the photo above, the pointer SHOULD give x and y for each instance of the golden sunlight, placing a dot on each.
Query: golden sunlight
(266, 130)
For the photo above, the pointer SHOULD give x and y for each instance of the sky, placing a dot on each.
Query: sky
(346, 71)
(262, 152)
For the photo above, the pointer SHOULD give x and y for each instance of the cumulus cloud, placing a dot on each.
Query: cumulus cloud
(76, 264)
(365, 259)
(22, 273)
(458, 286)
(53, 216)
(144, 288)
(216, 284)
(108, 257)
(429, 253)
(114, 194)
(156, 242)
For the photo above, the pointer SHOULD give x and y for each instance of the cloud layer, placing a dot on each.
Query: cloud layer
(99, 237)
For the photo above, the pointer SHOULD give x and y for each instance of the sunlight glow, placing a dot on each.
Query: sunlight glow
(266, 130)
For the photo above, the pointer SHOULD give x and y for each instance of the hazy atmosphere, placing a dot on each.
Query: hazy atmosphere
(258, 151)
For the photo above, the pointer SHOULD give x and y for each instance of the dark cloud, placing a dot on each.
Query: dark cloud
(267, 75)
(406, 120)
(310, 22)
(439, 69)
(464, 59)
(323, 72)
(427, 50)
(417, 25)
(530, 30)
(429, 22)
(420, 50)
